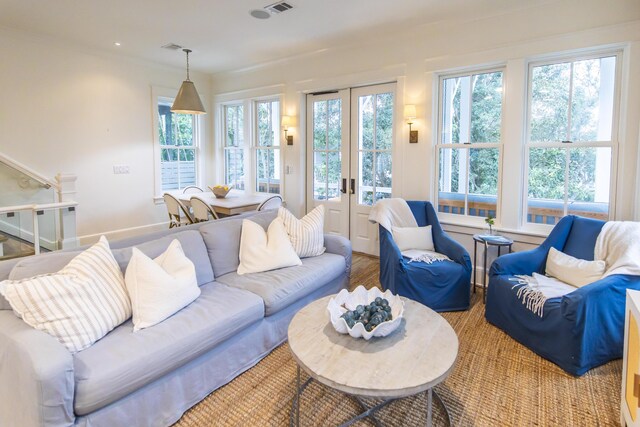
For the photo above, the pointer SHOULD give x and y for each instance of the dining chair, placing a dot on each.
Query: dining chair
(176, 209)
(273, 202)
(201, 210)
(192, 189)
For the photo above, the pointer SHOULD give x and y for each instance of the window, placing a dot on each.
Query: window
(375, 138)
(327, 147)
(178, 148)
(267, 147)
(570, 138)
(234, 146)
(468, 147)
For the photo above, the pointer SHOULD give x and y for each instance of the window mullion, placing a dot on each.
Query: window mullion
(569, 118)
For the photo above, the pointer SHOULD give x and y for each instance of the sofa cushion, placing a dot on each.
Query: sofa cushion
(123, 361)
(223, 240)
(280, 288)
(191, 241)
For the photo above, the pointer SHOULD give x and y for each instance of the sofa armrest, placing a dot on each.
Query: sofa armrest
(36, 376)
(340, 246)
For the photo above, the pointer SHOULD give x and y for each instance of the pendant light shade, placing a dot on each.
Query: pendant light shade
(188, 101)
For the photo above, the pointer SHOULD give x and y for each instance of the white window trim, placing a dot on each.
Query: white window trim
(156, 94)
(555, 58)
(466, 220)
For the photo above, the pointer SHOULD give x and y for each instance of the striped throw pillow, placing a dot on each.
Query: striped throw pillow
(77, 305)
(306, 234)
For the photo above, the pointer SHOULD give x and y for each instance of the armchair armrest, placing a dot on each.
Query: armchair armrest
(340, 246)
(36, 376)
(525, 262)
(389, 250)
(449, 247)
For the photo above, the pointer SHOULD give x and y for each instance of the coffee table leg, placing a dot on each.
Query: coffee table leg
(429, 408)
(298, 398)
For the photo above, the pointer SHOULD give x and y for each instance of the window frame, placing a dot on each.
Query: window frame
(168, 95)
(466, 219)
(614, 143)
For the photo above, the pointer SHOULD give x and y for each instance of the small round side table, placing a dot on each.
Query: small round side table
(500, 242)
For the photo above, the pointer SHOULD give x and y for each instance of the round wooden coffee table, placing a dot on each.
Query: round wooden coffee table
(420, 354)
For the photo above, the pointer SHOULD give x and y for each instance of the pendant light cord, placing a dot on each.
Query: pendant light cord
(187, 51)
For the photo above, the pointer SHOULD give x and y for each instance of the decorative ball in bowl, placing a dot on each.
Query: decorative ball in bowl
(220, 191)
(365, 313)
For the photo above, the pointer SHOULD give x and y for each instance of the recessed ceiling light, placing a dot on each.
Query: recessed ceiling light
(260, 14)
(116, 43)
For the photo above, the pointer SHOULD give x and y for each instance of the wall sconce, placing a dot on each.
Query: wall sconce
(286, 121)
(409, 116)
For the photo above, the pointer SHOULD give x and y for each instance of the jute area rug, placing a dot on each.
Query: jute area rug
(496, 382)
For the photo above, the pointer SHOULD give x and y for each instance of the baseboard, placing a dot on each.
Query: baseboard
(123, 233)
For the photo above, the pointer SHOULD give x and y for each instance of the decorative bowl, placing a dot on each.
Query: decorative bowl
(220, 191)
(346, 300)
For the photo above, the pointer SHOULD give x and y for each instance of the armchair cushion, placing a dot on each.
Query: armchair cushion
(574, 271)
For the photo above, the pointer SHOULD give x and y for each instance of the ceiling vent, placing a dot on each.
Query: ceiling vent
(278, 7)
(172, 46)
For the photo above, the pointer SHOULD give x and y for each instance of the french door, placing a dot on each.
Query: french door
(349, 159)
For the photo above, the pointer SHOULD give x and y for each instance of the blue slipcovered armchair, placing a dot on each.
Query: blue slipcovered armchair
(442, 285)
(578, 331)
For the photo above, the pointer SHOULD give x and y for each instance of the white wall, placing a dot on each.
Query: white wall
(415, 56)
(69, 110)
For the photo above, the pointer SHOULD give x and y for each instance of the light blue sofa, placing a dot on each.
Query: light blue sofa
(152, 377)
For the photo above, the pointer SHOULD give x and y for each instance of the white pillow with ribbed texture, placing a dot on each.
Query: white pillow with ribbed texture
(571, 270)
(306, 234)
(263, 251)
(77, 305)
(160, 287)
(413, 238)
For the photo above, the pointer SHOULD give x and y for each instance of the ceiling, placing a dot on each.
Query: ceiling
(222, 34)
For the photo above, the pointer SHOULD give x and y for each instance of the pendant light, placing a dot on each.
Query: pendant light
(188, 101)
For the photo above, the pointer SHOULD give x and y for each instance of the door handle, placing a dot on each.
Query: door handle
(353, 186)
(343, 190)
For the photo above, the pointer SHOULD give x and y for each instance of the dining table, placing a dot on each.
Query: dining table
(235, 202)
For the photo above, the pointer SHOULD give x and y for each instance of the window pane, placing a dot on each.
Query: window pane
(486, 111)
(383, 172)
(268, 123)
(451, 180)
(384, 121)
(550, 102)
(320, 125)
(366, 178)
(455, 110)
(592, 99)
(234, 167)
(334, 174)
(183, 129)
(320, 175)
(546, 185)
(365, 118)
(169, 169)
(187, 168)
(483, 182)
(235, 126)
(589, 175)
(335, 124)
(268, 170)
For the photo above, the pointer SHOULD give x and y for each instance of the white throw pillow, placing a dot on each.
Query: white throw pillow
(160, 287)
(306, 234)
(574, 271)
(77, 305)
(413, 238)
(264, 251)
